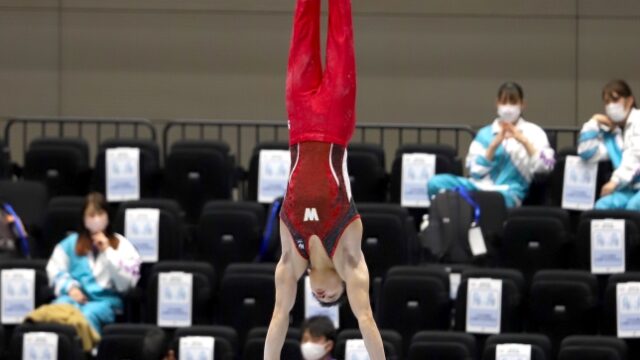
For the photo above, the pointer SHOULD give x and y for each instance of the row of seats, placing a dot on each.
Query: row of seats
(528, 238)
(225, 232)
(137, 341)
(556, 303)
(196, 171)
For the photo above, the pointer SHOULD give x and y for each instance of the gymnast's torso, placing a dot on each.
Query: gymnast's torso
(318, 198)
(321, 109)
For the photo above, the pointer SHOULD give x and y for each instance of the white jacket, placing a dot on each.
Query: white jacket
(103, 276)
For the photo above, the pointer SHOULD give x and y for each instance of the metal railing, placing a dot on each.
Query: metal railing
(20, 131)
(243, 136)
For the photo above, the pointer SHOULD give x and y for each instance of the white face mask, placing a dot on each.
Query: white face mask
(312, 351)
(510, 113)
(616, 112)
(96, 224)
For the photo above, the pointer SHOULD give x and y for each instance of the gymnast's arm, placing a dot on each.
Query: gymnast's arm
(286, 288)
(357, 280)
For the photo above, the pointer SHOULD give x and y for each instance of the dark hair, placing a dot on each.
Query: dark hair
(616, 89)
(85, 243)
(320, 326)
(511, 92)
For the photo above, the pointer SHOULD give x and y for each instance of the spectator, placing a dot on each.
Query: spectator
(92, 268)
(318, 338)
(505, 155)
(616, 137)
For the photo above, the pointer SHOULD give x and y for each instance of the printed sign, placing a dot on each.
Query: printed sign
(273, 174)
(122, 174)
(417, 169)
(175, 293)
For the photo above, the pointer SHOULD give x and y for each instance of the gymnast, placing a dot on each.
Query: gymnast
(320, 228)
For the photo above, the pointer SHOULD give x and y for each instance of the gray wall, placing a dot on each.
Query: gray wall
(418, 60)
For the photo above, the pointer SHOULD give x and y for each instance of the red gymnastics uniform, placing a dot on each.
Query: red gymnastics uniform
(321, 108)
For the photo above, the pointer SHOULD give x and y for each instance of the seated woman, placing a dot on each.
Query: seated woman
(92, 268)
(505, 155)
(615, 136)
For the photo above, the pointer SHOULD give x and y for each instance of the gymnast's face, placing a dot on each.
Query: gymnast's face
(326, 285)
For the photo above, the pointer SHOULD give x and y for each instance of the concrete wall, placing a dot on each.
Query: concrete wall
(418, 60)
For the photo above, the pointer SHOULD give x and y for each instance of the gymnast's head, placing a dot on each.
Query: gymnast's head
(327, 286)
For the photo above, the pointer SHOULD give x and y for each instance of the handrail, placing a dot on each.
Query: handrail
(277, 130)
(62, 125)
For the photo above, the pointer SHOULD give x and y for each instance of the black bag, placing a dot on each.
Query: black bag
(446, 239)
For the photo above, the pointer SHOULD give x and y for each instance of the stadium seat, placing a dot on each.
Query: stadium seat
(254, 166)
(492, 220)
(225, 343)
(171, 225)
(229, 232)
(537, 194)
(592, 348)
(391, 340)
(609, 310)
(6, 168)
(43, 293)
(171, 238)
(441, 345)
(132, 341)
(389, 237)
(150, 174)
(582, 255)
(60, 163)
(455, 275)
(446, 162)
(366, 166)
(63, 216)
(247, 298)
(414, 299)
(563, 303)
(254, 346)
(513, 297)
(69, 343)
(605, 169)
(197, 171)
(29, 200)
(540, 345)
(203, 290)
(535, 239)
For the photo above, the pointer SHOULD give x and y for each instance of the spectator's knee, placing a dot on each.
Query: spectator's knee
(603, 204)
(633, 205)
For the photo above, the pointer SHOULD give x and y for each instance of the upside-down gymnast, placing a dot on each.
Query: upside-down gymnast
(320, 228)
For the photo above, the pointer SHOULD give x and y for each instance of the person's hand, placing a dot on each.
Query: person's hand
(77, 295)
(171, 355)
(608, 188)
(519, 136)
(498, 139)
(512, 132)
(604, 120)
(100, 241)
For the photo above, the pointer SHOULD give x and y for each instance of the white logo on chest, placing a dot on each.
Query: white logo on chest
(311, 214)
